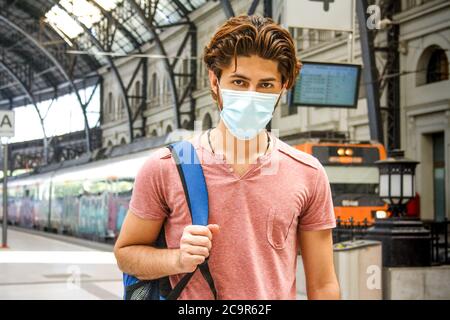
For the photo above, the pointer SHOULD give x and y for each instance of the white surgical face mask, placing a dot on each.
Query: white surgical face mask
(246, 113)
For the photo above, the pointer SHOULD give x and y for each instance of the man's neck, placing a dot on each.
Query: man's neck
(238, 151)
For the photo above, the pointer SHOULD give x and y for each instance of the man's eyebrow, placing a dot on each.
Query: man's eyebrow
(268, 79)
(237, 75)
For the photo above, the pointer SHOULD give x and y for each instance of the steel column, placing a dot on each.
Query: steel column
(370, 73)
(393, 82)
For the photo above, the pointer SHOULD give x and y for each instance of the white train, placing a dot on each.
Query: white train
(88, 201)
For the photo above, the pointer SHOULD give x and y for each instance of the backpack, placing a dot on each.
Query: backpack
(194, 186)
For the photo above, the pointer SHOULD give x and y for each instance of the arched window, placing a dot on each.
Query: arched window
(432, 66)
(207, 122)
(168, 129)
(137, 93)
(137, 88)
(437, 69)
(185, 70)
(121, 107)
(185, 124)
(110, 103)
(154, 133)
(166, 90)
(123, 141)
(154, 85)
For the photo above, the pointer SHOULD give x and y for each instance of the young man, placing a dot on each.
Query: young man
(267, 200)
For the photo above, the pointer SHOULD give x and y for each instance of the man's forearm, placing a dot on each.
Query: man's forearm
(328, 291)
(148, 263)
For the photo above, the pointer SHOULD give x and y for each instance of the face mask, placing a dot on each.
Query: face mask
(246, 113)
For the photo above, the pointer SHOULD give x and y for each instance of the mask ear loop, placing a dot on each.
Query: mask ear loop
(219, 96)
(283, 89)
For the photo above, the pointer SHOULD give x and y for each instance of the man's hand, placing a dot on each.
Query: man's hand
(195, 246)
(136, 256)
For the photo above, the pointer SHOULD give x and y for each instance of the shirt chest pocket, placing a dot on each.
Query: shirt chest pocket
(279, 224)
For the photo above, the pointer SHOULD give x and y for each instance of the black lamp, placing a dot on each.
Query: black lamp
(405, 241)
(397, 185)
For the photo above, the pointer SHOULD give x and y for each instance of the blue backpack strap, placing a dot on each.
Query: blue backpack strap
(193, 180)
(194, 185)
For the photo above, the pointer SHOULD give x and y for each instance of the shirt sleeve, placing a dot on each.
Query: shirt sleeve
(319, 213)
(147, 198)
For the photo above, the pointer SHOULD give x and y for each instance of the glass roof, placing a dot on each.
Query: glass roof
(132, 33)
(85, 11)
(113, 28)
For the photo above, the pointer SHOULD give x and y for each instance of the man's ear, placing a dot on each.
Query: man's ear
(213, 82)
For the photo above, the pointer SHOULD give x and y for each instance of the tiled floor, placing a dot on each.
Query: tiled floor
(37, 267)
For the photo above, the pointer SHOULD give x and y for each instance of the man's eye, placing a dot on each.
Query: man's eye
(267, 85)
(238, 82)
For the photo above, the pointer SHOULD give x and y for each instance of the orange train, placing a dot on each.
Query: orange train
(353, 177)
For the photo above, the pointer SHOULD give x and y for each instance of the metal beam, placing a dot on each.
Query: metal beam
(393, 83)
(370, 73)
(226, 6)
(144, 94)
(142, 98)
(30, 96)
(120, 26)
(180, 50)
(6, 94)
(5, 43)
(51, 92)
(22, 84)
(253, 6)
(60, 69)
(181, 7)
(170, 25)
(268, 8)
(50, 32)
(116, 73)
(151, 28)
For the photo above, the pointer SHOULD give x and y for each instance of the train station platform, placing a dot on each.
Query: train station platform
(40, 266)
(45, 266)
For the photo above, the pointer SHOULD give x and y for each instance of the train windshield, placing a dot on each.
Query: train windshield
(354, 185)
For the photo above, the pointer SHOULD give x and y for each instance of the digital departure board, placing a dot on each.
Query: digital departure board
(327, 85)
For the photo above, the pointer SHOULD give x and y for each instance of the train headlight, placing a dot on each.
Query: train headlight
(349, 152)
(381, 214)
(341, 152)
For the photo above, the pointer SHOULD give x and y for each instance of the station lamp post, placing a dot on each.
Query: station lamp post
(397, 185)
(405, 241)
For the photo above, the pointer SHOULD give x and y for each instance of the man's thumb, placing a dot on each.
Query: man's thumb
(214, 228)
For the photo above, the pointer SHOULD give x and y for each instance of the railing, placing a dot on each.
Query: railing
(350, 230)
(439, 241)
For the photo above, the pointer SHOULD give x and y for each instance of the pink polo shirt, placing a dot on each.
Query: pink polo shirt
(254, 256)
